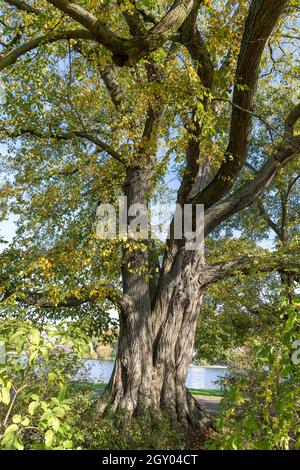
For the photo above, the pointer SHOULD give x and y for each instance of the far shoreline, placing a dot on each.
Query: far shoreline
(192, 364)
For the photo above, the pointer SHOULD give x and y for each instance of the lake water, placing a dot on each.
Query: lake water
(198, 377)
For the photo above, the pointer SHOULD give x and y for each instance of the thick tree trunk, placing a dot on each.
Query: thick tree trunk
(157, 332)
(151, 374)
(153, 356)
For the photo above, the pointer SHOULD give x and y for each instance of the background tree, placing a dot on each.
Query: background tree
(112, 96)
(237, 314)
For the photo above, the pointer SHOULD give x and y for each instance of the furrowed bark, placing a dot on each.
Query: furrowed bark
(156, 345)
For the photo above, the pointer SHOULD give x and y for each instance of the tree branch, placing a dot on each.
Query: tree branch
(191, 38)
(82, 296)
(67, 136)
(108, 76)
(113, 88)
(107, 148)
(291, 185)
(247, 265)
(268, 219)
(12, 56)
(262, 18)
(291, 121)
(127, 51)
(23, 6)
(106, 37)
(250, 191)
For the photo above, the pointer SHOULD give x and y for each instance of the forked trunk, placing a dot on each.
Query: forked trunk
(157, 331)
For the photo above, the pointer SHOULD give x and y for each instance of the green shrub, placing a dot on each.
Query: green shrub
(35, 371)
(152, 431)
(42, 408)
(261, 407)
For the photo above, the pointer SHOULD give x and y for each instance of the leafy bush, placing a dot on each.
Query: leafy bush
(35, 370)
(261, 407)
(150, 432)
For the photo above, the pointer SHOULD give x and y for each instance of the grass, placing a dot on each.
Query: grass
(206, 392)
(194, 391)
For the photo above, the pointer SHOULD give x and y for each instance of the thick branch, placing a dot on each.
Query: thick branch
(262, 18)
(251, 191)
(113, 88)
(23, 6)
(127, 51)
(192, 40)
(172, 21)
(247, 265)
(110, 40)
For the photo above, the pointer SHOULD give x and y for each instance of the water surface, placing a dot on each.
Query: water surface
(198, 377)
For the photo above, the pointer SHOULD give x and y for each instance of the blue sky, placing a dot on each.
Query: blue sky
(7, 227)
(7, 230)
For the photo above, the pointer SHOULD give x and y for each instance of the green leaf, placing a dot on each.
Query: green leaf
(25, 422)
(32, 407)
(35, 336)
(16, 419)
(5, 393)
(10, 429)
(10, 438)
(33, 356)
(49, 436)
(55, 423)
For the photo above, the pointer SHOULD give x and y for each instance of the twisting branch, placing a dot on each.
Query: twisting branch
(262, 19)
(191, 38)
(127, 51)
(110, 81)
(106, 37)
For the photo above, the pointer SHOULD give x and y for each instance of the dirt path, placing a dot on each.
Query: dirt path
(211, 404)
